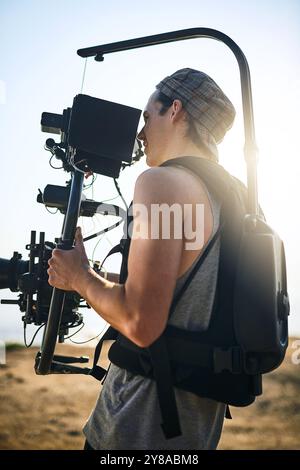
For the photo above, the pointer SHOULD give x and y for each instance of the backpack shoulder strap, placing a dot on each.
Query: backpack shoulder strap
(218, 181)
(195, 269)
(213, 175)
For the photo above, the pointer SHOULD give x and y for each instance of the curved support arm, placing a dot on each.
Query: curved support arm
(250, 148)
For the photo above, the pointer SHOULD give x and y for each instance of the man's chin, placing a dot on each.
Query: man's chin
(150, 160)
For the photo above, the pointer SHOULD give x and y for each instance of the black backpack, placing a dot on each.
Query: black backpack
(248, 331)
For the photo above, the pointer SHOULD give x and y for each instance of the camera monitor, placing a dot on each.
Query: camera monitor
(102, 133)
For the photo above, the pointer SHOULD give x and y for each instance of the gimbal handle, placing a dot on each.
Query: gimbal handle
(44, 359)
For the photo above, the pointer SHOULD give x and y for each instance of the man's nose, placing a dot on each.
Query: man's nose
(141, 135)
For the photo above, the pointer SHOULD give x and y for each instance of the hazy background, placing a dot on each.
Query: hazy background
(40, 71)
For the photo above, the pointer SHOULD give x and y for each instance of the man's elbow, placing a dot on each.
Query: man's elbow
(142, 333)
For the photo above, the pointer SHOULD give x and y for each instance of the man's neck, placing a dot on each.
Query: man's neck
(190, 151)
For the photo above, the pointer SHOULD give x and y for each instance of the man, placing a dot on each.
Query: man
(187, 115)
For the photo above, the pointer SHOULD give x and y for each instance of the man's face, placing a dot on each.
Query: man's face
(156, 132)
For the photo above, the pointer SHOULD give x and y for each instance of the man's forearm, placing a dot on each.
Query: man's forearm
(108, 299)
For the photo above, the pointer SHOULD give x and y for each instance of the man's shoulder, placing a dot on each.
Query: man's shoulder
(167, 178)
(159, 183)
(171, 183)
(159, 173)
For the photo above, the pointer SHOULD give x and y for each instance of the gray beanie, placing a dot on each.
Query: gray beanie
(204, 100)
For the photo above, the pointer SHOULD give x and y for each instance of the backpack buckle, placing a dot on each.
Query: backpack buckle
(227, 359)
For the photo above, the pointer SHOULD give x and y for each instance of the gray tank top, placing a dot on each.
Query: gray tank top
(127, 415)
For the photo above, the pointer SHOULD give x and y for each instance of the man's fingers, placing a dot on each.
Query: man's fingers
(78, 236)
(51, 276)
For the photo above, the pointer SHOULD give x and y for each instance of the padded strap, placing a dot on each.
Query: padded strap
(165, 390)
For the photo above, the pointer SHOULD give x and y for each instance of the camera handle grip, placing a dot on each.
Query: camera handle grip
(44, 359)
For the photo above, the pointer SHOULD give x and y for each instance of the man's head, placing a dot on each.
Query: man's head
(188, 114)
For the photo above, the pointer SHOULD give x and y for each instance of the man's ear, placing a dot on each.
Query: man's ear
(177, 110)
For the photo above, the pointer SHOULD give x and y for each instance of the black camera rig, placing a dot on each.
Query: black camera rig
(87, 145)
(31, 279)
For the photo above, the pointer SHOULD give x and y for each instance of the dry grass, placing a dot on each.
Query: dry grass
(49, 412)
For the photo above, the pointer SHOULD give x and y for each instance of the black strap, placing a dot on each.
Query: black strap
(116, 249)
(165, 390)
(195, 269)
(218, 181)
(227, 413)
(99, 372)
(215, 177)
(184, 347)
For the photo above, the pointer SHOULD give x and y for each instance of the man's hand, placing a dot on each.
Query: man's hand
(68, 267)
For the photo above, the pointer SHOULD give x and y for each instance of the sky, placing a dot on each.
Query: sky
(40, 71)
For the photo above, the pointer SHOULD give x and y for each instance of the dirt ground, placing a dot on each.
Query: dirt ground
(48, 412)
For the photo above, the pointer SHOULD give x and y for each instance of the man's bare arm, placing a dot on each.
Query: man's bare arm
(139, 308)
